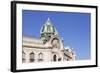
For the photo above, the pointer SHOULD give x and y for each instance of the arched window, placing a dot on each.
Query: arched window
(32, 57)
(40, 57)
(54, 58)
(23, 57)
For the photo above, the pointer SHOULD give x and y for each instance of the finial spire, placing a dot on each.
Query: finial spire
(48, 19)
(48, 22)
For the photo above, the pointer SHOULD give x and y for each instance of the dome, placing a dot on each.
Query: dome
(48, 28)
(47, 31)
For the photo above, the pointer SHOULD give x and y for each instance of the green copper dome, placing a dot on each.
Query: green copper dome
(48, 30)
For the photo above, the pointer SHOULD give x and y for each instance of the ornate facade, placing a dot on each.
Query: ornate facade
(49, 47)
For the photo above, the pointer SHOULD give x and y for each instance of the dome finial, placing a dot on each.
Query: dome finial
(48, 22)
(48, 19)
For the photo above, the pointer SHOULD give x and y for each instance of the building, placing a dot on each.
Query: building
(48, 48)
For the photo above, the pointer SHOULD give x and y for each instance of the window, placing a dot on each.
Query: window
(59, 59)
(40, 57)
(23, 57)
(32, 57)
(43, 29)
(54, 58)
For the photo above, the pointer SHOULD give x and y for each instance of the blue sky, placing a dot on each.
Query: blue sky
(73, 27)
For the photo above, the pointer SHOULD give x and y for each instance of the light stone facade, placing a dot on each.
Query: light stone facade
(48, 48)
